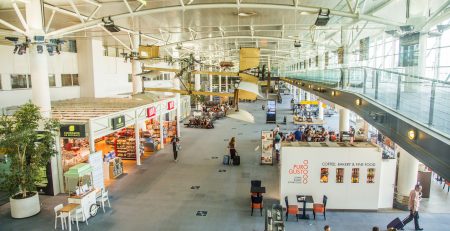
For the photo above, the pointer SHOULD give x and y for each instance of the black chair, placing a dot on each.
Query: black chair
(257, 203)
(290, 209)
(320, 208)
(256, 183)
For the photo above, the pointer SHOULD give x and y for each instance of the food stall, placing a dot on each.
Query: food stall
(81, 191)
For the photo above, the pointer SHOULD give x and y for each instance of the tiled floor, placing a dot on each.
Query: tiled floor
(158, 194)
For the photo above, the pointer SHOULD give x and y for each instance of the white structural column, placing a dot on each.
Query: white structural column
(161, 130)
(344, 119)
(38, 62)
(210, 79)
(226, 83)
(177, 86)
(137, 140)
(307, 96)
(320, 110)
(135, 67)
(408, 167)
(220, 83)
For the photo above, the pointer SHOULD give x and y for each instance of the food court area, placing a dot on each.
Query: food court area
(337, 181)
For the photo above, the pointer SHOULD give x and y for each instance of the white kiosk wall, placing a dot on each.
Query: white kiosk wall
(301, 175)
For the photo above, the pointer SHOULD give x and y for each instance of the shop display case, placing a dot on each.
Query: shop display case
(355, 175)
(324, 175)
(339, 175)
(370, 175)
(274, 218)
(126, 148)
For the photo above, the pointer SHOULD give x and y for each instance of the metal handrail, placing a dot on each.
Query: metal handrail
(378, 69)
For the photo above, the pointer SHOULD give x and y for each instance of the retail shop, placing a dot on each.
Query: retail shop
(123, 130)
(352, 176)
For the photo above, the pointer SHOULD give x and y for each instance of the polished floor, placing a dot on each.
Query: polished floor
(158, 194)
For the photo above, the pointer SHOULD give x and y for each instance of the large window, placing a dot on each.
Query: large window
(51, 80)
(20, 81)
(69, 80)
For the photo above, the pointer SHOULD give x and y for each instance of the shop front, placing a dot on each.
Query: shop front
(123, 134)
(351, 176)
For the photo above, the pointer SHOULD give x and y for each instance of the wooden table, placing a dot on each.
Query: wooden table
(68, 209)
(305, 199)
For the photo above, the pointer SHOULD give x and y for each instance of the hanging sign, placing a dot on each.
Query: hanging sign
(118, 122)
(170, 105)
(151, 111)
(72, 130)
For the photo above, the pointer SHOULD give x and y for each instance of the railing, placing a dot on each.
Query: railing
(418, 98)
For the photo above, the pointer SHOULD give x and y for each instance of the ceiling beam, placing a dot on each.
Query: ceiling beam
(21, 18)
(50, 20)
(303, 8)
(10, 26)
(244, 37)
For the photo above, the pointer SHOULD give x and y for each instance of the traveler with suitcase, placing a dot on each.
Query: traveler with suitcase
(235, 159)
(414, 201)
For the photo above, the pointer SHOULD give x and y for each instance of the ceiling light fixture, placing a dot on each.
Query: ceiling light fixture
(246, 14)
(411, 134)
(323, 17)
(109, 25)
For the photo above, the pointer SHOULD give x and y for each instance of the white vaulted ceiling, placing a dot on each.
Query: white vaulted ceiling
(215, 30)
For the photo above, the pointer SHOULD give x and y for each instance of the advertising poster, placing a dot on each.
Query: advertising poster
(266, 147)
(96, 161)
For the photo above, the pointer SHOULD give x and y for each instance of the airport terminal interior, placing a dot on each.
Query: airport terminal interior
(252, 115)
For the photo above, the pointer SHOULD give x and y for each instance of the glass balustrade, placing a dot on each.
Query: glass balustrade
(421, 99)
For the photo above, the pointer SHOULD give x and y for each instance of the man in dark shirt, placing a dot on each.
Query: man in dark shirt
(298, 134)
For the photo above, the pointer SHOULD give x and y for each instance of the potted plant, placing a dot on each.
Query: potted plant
(29, 141)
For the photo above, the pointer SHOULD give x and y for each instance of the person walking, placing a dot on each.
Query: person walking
(232, 148)
(414, 201)
(176, 147)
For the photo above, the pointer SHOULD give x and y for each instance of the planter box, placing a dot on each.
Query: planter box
(22, 208)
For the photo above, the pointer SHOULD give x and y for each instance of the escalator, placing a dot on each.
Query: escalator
(397, 103)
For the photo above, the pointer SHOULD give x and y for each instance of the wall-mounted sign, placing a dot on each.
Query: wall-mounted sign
(118, 122)
(170, 105)
(72, 130)
(151, 111)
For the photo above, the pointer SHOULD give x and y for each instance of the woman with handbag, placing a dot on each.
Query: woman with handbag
(232, 148)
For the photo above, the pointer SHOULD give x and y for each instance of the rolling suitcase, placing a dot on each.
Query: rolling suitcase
(396, 223)
(237, 160)
(226, 159)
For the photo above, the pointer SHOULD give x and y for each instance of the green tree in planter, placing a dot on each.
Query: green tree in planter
(29, 141)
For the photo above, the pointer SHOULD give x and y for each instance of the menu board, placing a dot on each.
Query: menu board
(266, 147)
(96, 161)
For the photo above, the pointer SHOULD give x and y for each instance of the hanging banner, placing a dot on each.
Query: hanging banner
(118, 122)
(96, 162)
(151, 112)
(72, 131)
(170, 105)
(266, 147)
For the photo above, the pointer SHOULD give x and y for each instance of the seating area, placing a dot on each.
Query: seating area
(74, 212)
(300, 211)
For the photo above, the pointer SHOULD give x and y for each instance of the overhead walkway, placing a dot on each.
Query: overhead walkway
(395, 102)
